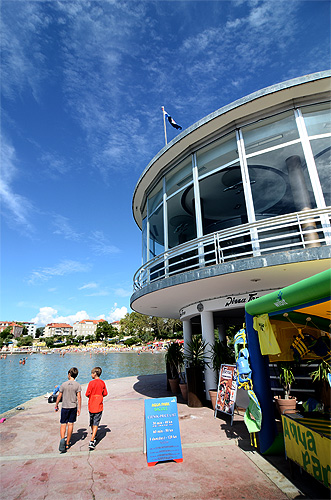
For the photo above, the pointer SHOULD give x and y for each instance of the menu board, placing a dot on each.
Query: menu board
(162, 431)
(227, 390)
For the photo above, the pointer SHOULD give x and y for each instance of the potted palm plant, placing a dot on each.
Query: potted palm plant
(321, 376)
(175, 360)
(286, 404)
(196, 359)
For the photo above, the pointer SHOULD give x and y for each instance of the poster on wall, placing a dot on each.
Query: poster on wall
(162, 436)
(226, 390)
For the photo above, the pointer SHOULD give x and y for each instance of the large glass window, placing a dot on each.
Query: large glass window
(155, 198)
(280, 183)
(181, 224)
(156, 236)
(222, 200)
(317, 119)
(270, 132)
(144, 239)
(179, 177)
(322, 155)
(217, 154)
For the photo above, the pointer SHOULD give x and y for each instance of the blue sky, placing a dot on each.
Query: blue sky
(82, 86)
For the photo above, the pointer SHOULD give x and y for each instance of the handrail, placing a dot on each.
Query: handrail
(304, 229)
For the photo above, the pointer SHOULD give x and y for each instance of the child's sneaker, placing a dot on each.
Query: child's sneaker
(62, 446)
(92, 444)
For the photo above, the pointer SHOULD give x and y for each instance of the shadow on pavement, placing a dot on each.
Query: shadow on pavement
(78, 435)
(102, 432)
(152, 386)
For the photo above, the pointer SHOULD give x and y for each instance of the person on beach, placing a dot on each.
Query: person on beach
(96, 390)
(70, 392)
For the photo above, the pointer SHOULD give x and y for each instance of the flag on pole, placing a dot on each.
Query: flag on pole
(171, 120)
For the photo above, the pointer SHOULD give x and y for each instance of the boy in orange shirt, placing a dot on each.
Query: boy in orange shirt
(96, 390)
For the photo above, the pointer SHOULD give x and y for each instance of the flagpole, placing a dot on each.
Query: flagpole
(164, 124)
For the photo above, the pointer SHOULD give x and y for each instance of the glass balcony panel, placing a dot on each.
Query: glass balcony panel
(322, 155)
(156, 236)
(317, 119)
(270, 132)
(280, 182)
(217, 154)
(179, 176)
(181, 223)
(155, 198)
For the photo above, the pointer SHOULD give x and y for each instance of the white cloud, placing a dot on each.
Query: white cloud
(121, 292)
(55, 165)
(17, 209)
(22, 67)
(101, 246)
(63, 268)
(63, 228)
(115, 314)
(50, 315)
(88, 286)
(100, 293)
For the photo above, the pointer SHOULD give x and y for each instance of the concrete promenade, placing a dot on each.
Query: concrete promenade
(218, 461)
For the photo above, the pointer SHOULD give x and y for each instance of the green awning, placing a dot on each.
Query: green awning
(305, 294)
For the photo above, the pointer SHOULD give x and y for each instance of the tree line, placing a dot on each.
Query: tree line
(135, 327)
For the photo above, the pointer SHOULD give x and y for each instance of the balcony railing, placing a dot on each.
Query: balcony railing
(306, 229)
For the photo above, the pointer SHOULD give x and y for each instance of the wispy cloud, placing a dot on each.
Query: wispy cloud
(100, 245)
(54, 165)
(22, 68)
(16, 208)
(121, 292)
(63, 228)
(100, 293)
(64, 268)
(88, 286)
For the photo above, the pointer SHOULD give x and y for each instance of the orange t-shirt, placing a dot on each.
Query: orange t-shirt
(96, 390)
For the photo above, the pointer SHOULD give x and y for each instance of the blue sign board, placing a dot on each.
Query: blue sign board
(162, 430)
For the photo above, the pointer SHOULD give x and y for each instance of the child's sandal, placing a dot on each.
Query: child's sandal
(68, 446)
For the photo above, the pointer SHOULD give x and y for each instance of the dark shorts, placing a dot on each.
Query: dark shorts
(95, 419)
(68, 415)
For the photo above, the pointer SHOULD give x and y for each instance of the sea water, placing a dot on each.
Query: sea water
(41, 372)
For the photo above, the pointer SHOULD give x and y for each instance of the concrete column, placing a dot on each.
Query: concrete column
(207, 328)
(187, 333)
(221, 332)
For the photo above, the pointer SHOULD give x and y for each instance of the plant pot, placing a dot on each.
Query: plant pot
(286, 405)
(183, 390)
(195, 392)
(213, 397)
(174, 385)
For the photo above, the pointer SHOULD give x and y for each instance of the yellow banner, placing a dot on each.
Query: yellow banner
(310, 450)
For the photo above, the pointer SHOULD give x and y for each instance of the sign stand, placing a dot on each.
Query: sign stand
(161, 431)
(226, 390)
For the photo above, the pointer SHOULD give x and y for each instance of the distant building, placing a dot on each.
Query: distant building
(116, 324)
(31, 328)
(16, 329)
(57, 329)
(86, 327)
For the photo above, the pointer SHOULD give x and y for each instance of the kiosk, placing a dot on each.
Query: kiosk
(298, 313)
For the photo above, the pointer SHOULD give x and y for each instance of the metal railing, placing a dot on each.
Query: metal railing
(306, 229)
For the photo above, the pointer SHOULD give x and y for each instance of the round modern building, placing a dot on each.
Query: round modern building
(236, 206)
